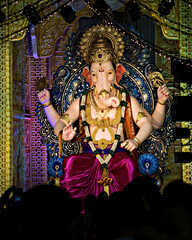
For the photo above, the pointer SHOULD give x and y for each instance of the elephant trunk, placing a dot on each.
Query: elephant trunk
(104, 90)
(109, 101)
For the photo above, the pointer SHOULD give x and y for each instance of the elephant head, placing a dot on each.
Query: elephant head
(103, 76)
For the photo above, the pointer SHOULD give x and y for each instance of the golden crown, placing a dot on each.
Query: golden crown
(102, 43)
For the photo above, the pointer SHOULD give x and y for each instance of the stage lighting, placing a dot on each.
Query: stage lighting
(68, 14)
(102, 10)
(181, 108)
(182, 70)
(165, 7)
(183, 157)
(133, 10)
(31, 14)
(179, 133)
(2, 16)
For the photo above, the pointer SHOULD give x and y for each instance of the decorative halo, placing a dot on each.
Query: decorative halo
(106, 31)
(148, 164)
(55, 166)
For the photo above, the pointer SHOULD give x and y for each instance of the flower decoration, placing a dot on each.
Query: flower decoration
(41, 84)
(55, 167)
(148, 164)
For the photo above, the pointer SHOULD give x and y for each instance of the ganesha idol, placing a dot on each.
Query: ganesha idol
(107, 114)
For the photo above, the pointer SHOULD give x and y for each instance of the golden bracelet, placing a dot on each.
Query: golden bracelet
(161, 102)
(47, 104)
(137, 141)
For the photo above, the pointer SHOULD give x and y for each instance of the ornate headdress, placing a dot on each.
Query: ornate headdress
(102, 43)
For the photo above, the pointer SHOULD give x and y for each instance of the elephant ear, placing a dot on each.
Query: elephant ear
(87, 75)
(119, 72)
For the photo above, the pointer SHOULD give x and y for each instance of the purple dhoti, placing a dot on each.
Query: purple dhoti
(83, 171)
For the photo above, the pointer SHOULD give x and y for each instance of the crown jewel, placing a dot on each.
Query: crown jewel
(102, 43)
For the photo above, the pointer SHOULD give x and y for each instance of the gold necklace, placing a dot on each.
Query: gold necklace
(102, 124)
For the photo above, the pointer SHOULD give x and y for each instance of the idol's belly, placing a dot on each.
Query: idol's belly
(105, 133)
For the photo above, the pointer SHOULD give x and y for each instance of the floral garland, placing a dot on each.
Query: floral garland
(96, 153)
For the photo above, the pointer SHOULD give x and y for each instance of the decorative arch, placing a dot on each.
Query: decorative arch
(68, 84)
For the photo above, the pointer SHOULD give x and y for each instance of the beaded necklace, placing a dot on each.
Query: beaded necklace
(123, 105)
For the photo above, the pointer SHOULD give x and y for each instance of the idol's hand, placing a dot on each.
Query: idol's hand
(163, 93)
(129, 145)
(44, 96)
(68, 132)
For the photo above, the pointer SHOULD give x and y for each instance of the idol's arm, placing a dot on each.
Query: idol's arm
(60, 123)
(65, 122)
(144, 124)
(158, 115)
(52, 115)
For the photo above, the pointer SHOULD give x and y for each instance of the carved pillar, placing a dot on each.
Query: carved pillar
(6, 111)
(18, 113)
(38, 155)
(185, 45)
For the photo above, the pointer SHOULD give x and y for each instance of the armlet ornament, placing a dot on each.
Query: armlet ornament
(140, 115)
(65, 117)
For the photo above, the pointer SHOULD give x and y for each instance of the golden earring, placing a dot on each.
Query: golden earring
(111, 88)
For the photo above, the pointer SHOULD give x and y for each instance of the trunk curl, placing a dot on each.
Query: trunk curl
(110, 102)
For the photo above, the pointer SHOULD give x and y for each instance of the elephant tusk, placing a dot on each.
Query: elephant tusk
(104, 93)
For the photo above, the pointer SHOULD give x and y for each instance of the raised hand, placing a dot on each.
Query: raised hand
(163, 93)
(44, 96)
(68, 132)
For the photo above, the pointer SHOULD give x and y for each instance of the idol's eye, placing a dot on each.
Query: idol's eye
(93, 74)
(110, 72)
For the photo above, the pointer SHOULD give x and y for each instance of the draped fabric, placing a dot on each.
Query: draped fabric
(83, 171)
